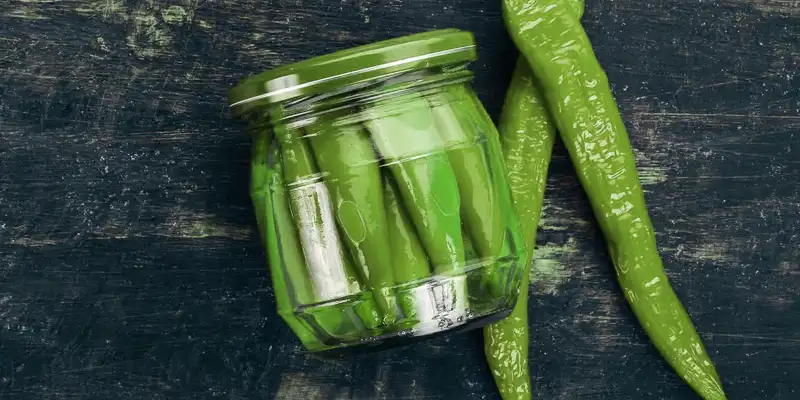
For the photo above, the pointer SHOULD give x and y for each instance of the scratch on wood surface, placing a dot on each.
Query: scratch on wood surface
(772, 6)
(650, 175)
(188, 224)
(181, 223)
(149, 37)
(363, 9)
(13, 315)
(32, 241)
(177, 15)
(557, 216)
(752, 339)
(396, 5)
(730, 234)
(734, 80)
(604, 317)
(208, 25)
(300, 385)
(107, 9)
(791, 268)
(150, 33)
(737, 238)
(255, 49)
(25, 13)
(552, 266)
(712, 250)
(688, 116)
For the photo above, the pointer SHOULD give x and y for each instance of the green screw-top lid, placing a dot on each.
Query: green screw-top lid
(320, 74)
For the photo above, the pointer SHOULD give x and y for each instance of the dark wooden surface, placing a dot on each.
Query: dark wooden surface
(129, 260)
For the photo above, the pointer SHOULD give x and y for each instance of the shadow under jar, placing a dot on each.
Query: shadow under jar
(380, 193)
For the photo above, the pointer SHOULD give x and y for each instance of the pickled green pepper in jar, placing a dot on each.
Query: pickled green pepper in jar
(383, 169)
(356, 188)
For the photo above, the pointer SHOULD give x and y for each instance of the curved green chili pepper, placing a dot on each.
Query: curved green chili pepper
(579, 97)
(292, 256)
(332, 276)
(312, 208)
(466, 123)
(527, 135)
(333, 323)
(405, 134)
(406, 250)
(452, 110)
(347, 158)
(274, 228)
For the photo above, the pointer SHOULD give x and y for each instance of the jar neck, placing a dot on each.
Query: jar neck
(350, 99)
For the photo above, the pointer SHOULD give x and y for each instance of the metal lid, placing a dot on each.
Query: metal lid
(320, 74)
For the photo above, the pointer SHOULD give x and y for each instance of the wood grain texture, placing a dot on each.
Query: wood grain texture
(129, 260)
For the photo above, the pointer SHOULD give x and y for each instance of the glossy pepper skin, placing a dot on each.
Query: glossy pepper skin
(333, 323)
(312, 210)
(329, 267)
(467, 131)
(405, 134)
(480, 206)
(406, 250)
(586, 115)
(527, 135)
(344, 152)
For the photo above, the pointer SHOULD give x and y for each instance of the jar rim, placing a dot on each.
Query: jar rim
(320, 74)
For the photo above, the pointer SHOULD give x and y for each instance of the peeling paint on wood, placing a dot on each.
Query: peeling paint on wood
(553, 266)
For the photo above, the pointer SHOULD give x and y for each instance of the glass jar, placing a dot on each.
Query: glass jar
(380, 193)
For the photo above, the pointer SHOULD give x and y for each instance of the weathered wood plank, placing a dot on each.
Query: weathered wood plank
(129, 265)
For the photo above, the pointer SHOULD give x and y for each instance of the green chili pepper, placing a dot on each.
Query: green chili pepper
(469, 249)
(347, 157)
(312, 208)
(577, 7)
(261, 178)
(578, 96)
(272, 227)
(330, 270)
(479, 203)
(469, 136)
(405, 134)
(527, 135)
(406, 250)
